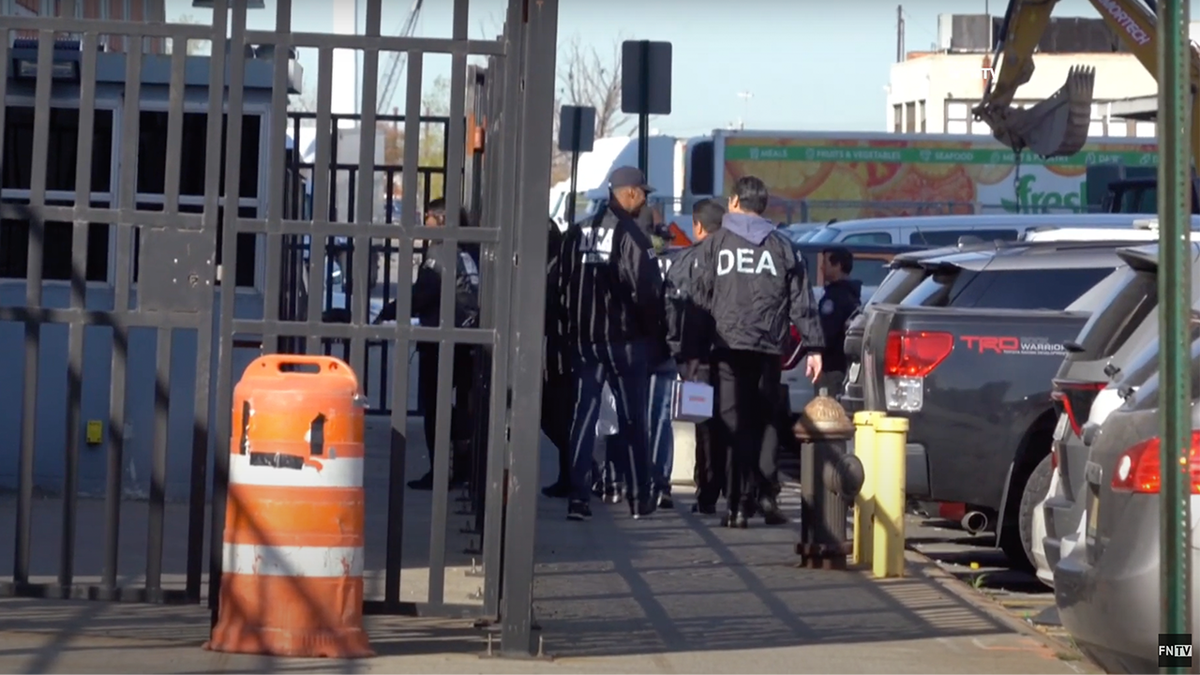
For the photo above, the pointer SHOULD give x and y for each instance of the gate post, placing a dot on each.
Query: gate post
(532, 207)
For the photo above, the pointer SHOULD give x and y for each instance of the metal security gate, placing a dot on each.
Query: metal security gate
(186, 269)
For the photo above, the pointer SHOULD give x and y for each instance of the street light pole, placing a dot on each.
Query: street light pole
(1174, 216)
(745, 96)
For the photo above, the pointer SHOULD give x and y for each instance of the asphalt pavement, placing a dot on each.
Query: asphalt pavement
(978, 564)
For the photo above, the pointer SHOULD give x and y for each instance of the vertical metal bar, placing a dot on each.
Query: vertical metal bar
(360, 245)
(448, 251)
(33, 298)
(276, 179)
(158, 465)
(530, 295)
(400, 358)
(162, 379)
(174, 147)
(204, 333)
(1174, 213)
(212, 199)
(321, 187)
(83, 188)
(508, 87)
(4, 42)
(127, 187)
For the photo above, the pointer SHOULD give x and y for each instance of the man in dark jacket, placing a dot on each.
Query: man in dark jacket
(690, 336)
(611, 291)
(841, 298)
(426, 307)
(558, 387)
(752, 282)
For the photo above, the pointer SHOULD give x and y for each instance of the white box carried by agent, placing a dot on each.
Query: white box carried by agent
(692, 401)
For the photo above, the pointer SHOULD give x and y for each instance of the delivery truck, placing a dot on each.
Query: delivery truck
(819, 176)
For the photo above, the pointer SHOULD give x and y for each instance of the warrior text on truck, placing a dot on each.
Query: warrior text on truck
(968, 357)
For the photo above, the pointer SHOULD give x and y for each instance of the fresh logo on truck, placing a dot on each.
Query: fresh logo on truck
(1031, 200)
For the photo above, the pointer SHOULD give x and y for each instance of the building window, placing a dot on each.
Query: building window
(17, 178)
(1144, 129)
(151, 187)
(958, 116)
(57, 241)
(57, 237)
(151, 172)
(897, 118)
(64, 140)
(910, 117)
(923, 108)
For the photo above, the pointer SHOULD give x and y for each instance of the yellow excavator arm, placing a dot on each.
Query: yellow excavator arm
(1058, 126)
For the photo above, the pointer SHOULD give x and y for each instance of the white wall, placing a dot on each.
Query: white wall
(936, 78)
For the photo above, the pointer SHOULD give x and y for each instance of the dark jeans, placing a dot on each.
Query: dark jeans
(558, 406)
(711, 455)
(427, 383)
(660, 389)
(623, 368)
(747, 404)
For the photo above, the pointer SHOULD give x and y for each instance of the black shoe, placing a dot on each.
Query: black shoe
(704, 509)
(612, 497)
(735, 519)
(665, 502)
(641, 508)
(559, 490)
(770, 511)
(579, 511)
(423, 483)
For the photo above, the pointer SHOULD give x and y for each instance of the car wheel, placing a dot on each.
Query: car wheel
(1017, 539)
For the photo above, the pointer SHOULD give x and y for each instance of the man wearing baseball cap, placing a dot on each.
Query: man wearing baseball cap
(611, 291)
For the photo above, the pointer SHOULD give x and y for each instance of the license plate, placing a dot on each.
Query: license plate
(853, 374)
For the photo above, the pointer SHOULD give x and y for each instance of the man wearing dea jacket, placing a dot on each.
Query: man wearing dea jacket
(611, 291)
(751, 282)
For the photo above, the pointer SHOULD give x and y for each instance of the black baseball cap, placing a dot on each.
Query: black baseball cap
(628, 176)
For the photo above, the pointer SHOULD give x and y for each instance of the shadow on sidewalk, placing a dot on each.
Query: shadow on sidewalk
(679, 583)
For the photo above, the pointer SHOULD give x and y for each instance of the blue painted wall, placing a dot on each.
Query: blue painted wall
(51, 408)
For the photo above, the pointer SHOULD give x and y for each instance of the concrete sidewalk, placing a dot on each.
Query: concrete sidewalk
(670, 594)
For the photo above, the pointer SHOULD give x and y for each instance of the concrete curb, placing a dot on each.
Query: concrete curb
(929, 569)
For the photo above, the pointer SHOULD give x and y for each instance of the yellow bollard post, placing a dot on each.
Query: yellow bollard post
(888, 551)
(864, 503)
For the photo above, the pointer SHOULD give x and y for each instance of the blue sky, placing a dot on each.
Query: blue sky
(808, 65)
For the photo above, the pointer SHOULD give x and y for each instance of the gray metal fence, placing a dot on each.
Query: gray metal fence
(207, 268)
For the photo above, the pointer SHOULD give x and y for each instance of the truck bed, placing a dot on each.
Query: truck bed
(981, 402)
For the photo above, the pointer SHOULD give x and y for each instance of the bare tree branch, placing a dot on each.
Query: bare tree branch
(588, 77)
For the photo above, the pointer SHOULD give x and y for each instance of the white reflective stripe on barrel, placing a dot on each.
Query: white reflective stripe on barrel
(345, 472)
(293, 561)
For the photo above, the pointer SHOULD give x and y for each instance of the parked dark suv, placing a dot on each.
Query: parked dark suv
(968, 357)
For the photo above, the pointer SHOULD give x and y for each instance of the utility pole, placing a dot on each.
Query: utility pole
(1174, 255)
(899, 33)
(745, 96)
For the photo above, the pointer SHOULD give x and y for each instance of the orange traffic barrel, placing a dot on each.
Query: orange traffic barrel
(291, 582)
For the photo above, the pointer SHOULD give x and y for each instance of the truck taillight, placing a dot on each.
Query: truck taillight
(1139, 469)
(791, 351)
(1074, 398)
(908, 357)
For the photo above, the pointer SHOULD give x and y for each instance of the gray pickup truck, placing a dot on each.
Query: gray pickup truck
(968, 356)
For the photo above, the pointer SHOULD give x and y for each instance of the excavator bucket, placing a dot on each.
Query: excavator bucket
(1055, 127)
